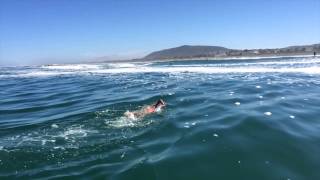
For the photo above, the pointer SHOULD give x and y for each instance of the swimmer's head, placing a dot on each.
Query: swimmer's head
(160, 104)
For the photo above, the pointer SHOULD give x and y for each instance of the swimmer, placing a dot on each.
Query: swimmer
(157, 107)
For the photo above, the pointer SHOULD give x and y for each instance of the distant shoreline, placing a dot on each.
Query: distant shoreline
(194, 59)
(211, 58)
(200, 52)
(191, 52)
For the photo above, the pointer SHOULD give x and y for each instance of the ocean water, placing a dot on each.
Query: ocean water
(225, 119)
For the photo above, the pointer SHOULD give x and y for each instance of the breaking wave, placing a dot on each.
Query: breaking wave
(271, 65)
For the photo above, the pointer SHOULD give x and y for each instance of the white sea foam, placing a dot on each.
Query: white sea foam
(72, 66)
(309, 70)
(114, 68)
(292, 116)
(237, 103)
(207, 70)
(122, 65)
(268, 113)
(44, 73)
(123, 121)
(35, 74)
(71, 135)
(215, 135)
(54, 126)
(76, 131)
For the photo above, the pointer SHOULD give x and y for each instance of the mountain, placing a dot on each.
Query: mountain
(187, 52)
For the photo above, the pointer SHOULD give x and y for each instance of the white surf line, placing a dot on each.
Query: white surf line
(205, 70)
(73, 66)
(208, 70)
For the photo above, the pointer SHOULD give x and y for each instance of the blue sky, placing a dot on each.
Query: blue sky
(55, 31)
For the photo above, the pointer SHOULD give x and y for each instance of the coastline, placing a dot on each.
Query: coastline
(215, 58)
(186, 59)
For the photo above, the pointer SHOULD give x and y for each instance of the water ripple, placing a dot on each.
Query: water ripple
(230, 119)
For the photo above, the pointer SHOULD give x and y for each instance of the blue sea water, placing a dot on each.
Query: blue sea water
(225, 119)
